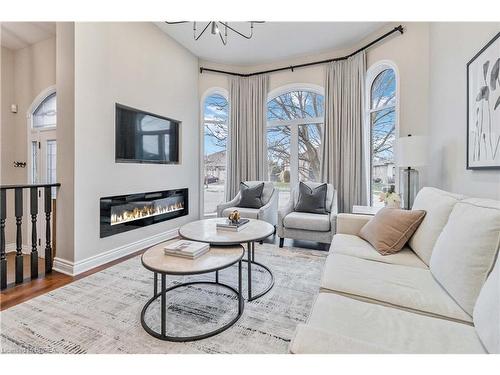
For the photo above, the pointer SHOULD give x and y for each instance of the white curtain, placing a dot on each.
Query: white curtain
(342, 147)
(247, 146)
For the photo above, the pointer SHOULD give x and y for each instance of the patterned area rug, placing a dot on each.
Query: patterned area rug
(101, 313)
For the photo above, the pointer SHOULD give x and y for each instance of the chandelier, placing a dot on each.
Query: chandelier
(217, 27)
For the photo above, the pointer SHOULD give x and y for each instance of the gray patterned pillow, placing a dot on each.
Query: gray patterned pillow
(251, 197)
(312, 200)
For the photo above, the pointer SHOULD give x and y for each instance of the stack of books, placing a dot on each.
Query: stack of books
(233, 227)
(186, 249)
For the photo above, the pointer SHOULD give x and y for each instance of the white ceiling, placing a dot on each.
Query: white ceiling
(16, 35)
(271, 41)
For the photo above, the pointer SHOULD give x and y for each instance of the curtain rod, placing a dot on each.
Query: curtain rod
(292, 67)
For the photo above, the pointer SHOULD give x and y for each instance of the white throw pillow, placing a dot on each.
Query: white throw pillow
(438, 205)
(487, 312)
(466, 249)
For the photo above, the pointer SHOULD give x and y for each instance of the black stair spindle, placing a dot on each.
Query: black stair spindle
(3, 259)
(18, 212)
(34, 237)
(48, 246)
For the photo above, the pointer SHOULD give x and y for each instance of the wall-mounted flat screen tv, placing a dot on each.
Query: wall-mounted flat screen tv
(143, 137)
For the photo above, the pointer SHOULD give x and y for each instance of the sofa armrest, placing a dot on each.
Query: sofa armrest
(269, 211)
(351, 223)
(232, 203)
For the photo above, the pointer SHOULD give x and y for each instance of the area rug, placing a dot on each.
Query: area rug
(101, 313)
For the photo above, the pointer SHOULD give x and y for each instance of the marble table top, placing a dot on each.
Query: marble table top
(216, 258)
(206, 231)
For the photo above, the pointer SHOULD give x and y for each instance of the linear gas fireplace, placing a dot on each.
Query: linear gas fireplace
(126, 212)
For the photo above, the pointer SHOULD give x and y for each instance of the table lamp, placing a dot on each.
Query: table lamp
(411, 153)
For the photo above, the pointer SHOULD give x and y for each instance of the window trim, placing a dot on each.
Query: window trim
(34, 106)
(295, 123)
(371, 74)
(210, 91)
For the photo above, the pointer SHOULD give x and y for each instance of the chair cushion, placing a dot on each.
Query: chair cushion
(487, 311)
(379, 327)
(312, 200)
(466, 249)
(307, 221)
(251, 196)
(391, 228)
(438, 205)
(407, 288)
(330, 194)
(249, 213)
(355, 246)
(267, 192)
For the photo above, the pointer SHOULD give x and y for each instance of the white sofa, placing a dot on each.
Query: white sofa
(440, 294)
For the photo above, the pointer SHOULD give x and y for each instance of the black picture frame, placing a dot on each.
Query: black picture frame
(489, 69)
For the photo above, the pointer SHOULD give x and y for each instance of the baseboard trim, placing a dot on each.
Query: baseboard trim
(74, 268)
(11, 248)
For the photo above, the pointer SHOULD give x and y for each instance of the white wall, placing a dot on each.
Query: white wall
(452, 45)
(134, 64)
(26, 72)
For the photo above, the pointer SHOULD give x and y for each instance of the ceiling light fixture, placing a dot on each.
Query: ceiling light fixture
(216, 30)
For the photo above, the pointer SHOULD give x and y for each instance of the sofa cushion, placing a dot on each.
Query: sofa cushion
(438, 205)
(368, 326)
(466, 249)
(349, 244)
(307, 221)
(251, 196)
(249, 213)
(391, 228)
(408, 288)
(312, 200)
(487, 311)
(312, 340)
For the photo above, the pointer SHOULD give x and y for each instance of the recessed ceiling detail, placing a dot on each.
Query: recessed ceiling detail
(271, 41)
(16, 35)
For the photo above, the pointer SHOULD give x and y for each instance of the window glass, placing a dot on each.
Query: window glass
(45, 114)
(215, 129)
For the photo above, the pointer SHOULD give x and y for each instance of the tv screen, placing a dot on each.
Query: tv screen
(143, 137)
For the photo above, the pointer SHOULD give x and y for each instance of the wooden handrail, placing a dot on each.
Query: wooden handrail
(27, 186)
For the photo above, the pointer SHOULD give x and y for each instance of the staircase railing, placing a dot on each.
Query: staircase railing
(18, 213)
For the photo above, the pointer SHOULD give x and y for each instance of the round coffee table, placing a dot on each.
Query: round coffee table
(256, 230)
(216, 259)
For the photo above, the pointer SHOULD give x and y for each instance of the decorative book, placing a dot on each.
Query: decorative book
(233, 226)
(187, 249)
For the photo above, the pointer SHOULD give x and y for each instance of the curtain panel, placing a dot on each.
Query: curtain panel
(247, 145)
(342, 153)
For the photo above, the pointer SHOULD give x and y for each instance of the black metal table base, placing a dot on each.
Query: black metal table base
(250, 262)
(163, 295)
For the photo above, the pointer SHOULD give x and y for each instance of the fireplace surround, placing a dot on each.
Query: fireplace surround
(122, 213)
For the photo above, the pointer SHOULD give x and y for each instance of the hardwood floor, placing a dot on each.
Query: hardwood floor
(16, 294)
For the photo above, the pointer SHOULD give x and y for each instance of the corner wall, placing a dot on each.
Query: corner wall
(134, 64)
(452, 45)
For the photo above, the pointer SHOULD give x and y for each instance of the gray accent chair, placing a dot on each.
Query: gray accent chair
(308, 226)
(268, 212)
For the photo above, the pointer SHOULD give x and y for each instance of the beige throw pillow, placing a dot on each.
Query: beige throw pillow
(391, 228)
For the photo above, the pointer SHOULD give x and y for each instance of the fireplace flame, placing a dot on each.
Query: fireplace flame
(144, 212)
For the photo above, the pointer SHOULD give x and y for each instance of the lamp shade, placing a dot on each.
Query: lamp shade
(412, 151)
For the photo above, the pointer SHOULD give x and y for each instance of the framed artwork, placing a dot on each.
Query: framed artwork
(483, 107)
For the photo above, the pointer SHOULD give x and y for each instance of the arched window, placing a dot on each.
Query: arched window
(295, 130)
(215, 133)
(382, 125)
(44, 116)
